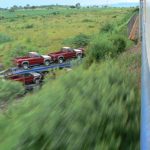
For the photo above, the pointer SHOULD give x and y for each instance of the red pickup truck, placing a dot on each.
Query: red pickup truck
(27, 78)
(33, 58)
(66, 53)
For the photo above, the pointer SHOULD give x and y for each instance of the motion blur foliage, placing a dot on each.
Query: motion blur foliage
(10, 90)
(96, 109)
(4, 38)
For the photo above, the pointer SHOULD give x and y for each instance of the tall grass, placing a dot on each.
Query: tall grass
(86, 109)
(10, 90)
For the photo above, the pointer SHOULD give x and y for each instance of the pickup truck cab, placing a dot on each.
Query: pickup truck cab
(31, 59)
(66, 53)
(27, 78)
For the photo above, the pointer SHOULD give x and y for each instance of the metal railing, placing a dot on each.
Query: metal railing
(145, 102)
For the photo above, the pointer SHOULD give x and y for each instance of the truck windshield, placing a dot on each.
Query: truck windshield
(66, 49)
(34, 55)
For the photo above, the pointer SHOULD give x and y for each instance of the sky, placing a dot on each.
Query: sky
(9, 3)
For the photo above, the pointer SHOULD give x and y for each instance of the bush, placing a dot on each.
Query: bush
(105, 45)
(28, 40)
(137, 9)
(10, 90)
(93, 109)
(2, 17)
(107, 28)
(68, 15)
(91, 26)
(29, 26)
(4, 38)
(12, 19)
(119, 42)
(72, 6)
(55, 13)
(99, 48)
(12, 10)
(87, 20)
(80, 40)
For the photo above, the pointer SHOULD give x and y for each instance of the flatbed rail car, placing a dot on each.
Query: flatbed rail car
(18, 71)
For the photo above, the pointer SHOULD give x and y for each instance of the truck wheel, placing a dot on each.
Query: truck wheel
(25, 65)
(61, 60)
(47, 63)
(37, 81)
(79, 56)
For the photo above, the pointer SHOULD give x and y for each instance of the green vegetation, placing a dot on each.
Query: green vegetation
(10, 90)
(77, 112)
(109, 42)
(106, 45)
(94, 108)
(18, 50)
(4, 38)
(80, 40)
(107, 28)
(39, 29)
(99, 48)
(119, 42)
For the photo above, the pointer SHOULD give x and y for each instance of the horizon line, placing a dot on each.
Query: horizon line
(116, 3)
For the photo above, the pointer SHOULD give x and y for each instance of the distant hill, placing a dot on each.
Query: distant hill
(125, 5)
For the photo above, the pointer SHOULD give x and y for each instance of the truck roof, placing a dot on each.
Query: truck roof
(33, 53)
(66, 47)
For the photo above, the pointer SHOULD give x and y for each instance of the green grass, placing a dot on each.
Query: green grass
(45, 32)
(94, 108)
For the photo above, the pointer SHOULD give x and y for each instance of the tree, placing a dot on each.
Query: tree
(20, 7)
(72, 6)
(15, 7)
(11, 9)
(78, 5)
(33, 7)
(27, 6)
